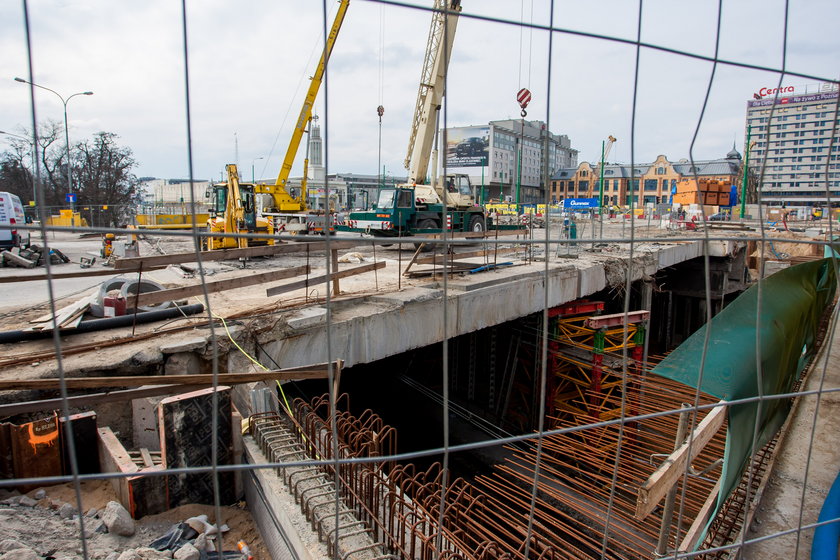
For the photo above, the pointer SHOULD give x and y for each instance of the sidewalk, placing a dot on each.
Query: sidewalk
(780, 506)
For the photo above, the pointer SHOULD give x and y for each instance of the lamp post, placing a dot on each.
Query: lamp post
(66, 138)
(34, 161)
(253, 161)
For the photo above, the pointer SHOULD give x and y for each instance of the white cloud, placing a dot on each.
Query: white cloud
(250, 62)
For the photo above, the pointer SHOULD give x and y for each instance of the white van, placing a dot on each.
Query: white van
(11, 213)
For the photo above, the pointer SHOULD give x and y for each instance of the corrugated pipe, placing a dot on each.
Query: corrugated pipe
(103, 324)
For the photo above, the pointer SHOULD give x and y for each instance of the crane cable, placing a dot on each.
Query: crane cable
(317, 47)
(527, 84)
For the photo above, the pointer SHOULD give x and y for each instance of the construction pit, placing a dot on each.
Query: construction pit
(441, 368)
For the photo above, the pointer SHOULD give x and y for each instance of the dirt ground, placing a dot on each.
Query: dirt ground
(42, 529)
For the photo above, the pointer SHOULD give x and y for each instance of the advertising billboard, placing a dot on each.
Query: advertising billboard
(467, 146)
(580, 203)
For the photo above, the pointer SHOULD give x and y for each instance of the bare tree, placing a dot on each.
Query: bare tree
(104, 178)
(102, 173)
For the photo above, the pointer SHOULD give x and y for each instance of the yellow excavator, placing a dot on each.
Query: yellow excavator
(285, 213)
(233, 210)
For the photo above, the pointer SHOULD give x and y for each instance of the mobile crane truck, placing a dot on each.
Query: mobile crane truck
(416, 208)
(235, 206)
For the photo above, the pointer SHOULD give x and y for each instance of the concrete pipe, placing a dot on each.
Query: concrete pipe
(97, 308)
(130, 289)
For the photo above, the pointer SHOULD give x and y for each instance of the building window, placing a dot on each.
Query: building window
(651, 185)
(660, 171)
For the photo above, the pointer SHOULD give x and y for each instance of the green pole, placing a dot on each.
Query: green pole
(518, 172)
(481, 198)
(746, 174)
(601, 183)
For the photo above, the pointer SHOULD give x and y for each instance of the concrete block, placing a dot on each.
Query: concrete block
(196, 343)
(182, 363)
(144, 423)
(308, 318)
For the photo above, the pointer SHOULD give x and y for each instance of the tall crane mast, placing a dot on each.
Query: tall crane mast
(430, 94)
(287, 203)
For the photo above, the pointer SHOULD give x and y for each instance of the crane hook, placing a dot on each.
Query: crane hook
(523, 96)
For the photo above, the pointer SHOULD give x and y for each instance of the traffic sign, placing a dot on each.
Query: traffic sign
(70, 197)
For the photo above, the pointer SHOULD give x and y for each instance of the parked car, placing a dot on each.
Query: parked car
(719, 217)
(11, 214)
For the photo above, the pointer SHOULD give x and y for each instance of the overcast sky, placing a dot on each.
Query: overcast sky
(250, 61)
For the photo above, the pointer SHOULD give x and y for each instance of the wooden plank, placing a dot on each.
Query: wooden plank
(672, 468)
(72, 308)
(188, 379)
(114, 458)
(79, 274)
(440, 258)
(175, 294)
(136, 263)
(88, 400)
(147, 458)
(333, 269)
(493, 233)
(696, 530)
(277, 290)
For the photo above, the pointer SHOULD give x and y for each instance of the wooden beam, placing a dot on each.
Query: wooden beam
(672, 468)
(204, 379)
(440, 259)
(696, 530)
(228, 254)
(80, 274)
(175, 294)
(310, 282)
(147, 458)
(93, 399)
(493, 233)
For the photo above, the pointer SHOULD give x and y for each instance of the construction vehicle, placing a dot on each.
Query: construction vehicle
(233, 210)
(283, 213)
(418, 207)
(289, 214)
(606, 146)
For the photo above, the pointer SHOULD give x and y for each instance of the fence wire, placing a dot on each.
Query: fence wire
(457, 515)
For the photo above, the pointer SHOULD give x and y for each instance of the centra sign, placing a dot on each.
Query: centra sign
(764, 92)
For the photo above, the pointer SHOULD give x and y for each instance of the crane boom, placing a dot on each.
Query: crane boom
(306, 111)
(431, 91)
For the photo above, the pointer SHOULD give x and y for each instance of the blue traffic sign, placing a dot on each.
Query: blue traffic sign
(70, 197)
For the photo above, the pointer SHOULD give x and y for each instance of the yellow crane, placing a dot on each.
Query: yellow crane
(606, 146)
(234, 207)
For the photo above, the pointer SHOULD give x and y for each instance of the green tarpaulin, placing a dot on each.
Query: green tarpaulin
(756, 351)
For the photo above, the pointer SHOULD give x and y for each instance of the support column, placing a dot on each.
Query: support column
(597, 373)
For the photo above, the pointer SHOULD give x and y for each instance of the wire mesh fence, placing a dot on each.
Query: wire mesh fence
(636, 380)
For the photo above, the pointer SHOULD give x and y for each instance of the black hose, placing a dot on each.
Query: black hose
(107, 323)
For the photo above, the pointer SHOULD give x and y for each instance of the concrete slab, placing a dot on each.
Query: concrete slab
(184, 345)
(307, 318)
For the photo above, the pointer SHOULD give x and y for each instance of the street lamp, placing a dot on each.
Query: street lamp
(253, 161)
(34, 161)
(66, 137)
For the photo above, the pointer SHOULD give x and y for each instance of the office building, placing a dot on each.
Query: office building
(791, 134)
